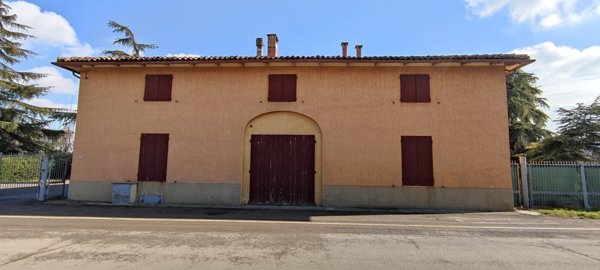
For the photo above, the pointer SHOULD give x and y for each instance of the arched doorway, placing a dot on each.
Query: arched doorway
(282, 160)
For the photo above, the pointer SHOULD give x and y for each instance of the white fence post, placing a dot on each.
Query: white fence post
(43, 179)
(524, 188)
(584, 189)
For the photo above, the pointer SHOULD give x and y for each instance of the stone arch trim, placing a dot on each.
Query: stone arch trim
(281, 123)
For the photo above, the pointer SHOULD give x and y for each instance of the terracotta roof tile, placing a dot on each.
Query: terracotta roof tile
(478, 57)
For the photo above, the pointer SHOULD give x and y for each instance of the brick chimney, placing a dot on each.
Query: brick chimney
(272, 45)
(259, 47)
(344, 49)
(358, 51)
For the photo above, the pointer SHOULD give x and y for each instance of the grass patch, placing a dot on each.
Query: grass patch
(570, 213)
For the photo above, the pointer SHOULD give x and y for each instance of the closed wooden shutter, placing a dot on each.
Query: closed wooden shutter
(275, 88)
(425, 161)
(422, 88)
(164, 87)
(410, 165)
(414, 88)
(408, 90)
(289, 88)
(145, 165)
(154, 149)
(151, 88)
(417, 161)
(158, 87)
(282, 87)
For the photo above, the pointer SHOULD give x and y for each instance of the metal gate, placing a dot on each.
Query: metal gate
(556, 184)
(34, 176)
(282, 169)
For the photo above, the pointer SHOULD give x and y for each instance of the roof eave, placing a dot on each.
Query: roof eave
(61, 65)
(519, 66)
(510, 64)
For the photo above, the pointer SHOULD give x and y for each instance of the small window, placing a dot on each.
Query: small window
(158, 87)
(282, 87)
(414, 88)
(417, 161)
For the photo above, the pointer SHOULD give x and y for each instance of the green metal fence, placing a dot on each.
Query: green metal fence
(592, 174)
(514, 171)
(558, 184)
(20, 176)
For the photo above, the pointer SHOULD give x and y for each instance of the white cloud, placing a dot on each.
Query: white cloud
(49, 29)
(546, 13)
(54, 79)
(44, 102)
(567, 75)
(80, 50)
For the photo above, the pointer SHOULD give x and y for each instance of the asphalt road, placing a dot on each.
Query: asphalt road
(68, 236)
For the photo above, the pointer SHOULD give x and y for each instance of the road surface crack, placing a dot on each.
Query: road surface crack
(566, 249)
(412, 242)
(37, 252)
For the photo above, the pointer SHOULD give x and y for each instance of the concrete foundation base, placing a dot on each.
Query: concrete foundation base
(333, 196)
(172, 193)
(419, 198)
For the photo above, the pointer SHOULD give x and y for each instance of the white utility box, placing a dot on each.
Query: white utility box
(123, 193)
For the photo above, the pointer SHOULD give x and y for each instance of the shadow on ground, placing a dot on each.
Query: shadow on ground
(66, 208)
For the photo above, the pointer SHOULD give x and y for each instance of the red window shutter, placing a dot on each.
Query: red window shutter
(275, 88)
(289, 87)
(158, 88)
(161, 151)
(152, 165)
(417, 161)
(422, 88)
(164, 87)
(282, 87)
(409, 161)
(146, 154)
(408, 89)
(414, 88)
(425, 161)
(151, 88)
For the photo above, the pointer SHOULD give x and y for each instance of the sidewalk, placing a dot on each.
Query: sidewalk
(57, 209)
(248, 212)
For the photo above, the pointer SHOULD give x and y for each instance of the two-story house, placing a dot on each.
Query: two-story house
(335, 131)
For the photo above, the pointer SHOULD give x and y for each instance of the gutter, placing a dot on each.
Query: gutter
(75, 66)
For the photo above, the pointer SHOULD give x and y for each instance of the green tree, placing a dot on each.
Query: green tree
(578, 136)
(23, 127)
(128, 41)
(526, 118)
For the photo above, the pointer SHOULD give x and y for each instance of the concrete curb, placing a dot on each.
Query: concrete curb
(528, 212)
(270, 207)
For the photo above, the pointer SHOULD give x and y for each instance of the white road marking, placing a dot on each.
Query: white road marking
(303, 223)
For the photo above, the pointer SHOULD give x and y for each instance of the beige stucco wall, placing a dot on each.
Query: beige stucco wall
(357, 109)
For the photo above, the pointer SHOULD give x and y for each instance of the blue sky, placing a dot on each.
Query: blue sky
(562, 34)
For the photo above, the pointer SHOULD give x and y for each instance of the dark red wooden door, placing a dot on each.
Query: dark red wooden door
(282, 169)
(417, 161)
(154, 149)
